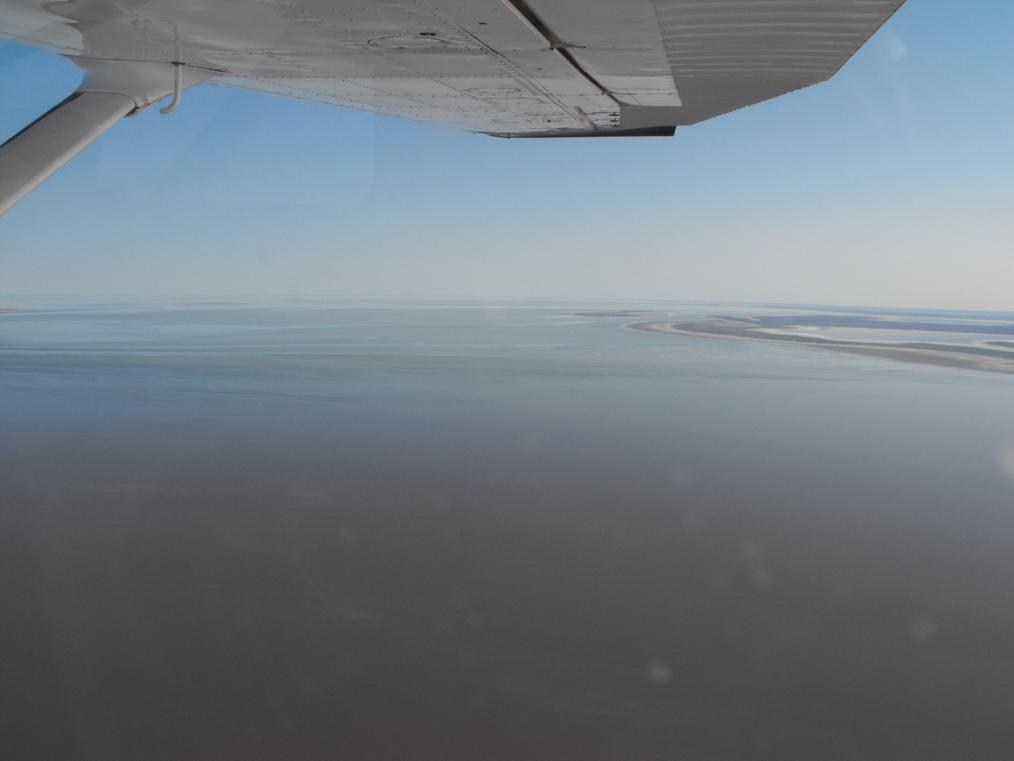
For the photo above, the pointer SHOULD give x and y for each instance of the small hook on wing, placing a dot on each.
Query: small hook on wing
(177, 89)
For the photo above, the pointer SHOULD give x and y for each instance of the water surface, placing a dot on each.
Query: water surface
(445, 531)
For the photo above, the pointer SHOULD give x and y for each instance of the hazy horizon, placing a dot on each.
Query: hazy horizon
(281, 299)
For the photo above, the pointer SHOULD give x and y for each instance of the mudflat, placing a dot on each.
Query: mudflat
(971, 356)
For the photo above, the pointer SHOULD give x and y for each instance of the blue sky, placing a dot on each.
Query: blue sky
(891, 184)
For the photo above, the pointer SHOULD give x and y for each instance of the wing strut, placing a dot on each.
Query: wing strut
(110, 91)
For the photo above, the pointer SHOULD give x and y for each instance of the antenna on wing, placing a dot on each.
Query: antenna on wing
(177, 89)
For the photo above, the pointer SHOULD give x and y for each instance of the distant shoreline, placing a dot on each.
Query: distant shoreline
(972, 357)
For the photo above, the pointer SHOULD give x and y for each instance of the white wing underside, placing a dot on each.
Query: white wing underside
(541, 67)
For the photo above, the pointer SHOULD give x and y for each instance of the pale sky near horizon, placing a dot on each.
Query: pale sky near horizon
(892, 185)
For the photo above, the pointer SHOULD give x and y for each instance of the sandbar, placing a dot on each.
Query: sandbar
(970, 357)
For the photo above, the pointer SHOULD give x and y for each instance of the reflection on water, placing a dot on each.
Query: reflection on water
(452, 532)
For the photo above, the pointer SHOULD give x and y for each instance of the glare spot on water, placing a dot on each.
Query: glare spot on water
(760, 577)
(922, 629)
(758, 573)
(658, 672)
(690, 521)
(1005, 456)
(752, 550)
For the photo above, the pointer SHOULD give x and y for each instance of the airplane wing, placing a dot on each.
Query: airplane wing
(511, 68)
